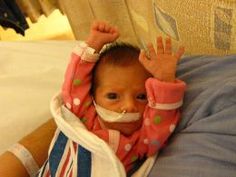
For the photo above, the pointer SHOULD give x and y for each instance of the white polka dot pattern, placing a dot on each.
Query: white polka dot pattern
(145, 141)
(147, 122)
(128, 147)
(76, 101)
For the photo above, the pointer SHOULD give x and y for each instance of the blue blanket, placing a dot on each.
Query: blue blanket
(204, 144)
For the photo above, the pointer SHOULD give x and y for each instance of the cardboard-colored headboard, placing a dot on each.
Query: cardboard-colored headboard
(202, 26)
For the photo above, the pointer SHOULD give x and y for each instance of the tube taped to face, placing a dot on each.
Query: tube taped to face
(111, 116)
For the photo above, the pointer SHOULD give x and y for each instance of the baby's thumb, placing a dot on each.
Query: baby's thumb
(142, 56)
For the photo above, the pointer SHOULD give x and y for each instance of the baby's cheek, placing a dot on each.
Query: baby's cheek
(142, 107)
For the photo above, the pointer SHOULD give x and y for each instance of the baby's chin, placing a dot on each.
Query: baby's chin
(127, 128)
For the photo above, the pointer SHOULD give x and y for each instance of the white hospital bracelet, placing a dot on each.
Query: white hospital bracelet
(25, 157)
(168, 106)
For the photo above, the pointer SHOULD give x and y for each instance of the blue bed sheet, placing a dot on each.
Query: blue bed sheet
(204, 143)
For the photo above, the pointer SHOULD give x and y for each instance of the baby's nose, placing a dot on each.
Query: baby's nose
(129, 105)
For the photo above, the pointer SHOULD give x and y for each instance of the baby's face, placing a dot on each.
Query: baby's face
(122, 88)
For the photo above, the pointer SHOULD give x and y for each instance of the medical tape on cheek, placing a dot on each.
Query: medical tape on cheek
(111, 116)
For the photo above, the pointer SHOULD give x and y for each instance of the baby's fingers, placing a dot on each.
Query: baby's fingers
(114, 30)
(107, 28)
(160, 47)
(101, 27)
(110, 29)
(180, 52)
(95, 25)
(152, 52)
(168, 46)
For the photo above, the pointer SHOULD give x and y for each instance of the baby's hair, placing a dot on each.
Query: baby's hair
(119, 54)
(115, 54)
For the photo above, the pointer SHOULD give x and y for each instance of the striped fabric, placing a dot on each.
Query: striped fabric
(62, 158)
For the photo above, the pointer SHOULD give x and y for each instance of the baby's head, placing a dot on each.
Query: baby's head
(119, 84)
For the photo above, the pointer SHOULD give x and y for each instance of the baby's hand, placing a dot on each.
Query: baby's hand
(101, 33)
(161, 63)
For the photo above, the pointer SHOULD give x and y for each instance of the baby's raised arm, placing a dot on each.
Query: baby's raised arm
(101, 33)
(165, 95)
(78, 77)
(162, 62)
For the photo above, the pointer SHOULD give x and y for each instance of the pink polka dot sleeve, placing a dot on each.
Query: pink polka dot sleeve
(77, 81)
(161, 115)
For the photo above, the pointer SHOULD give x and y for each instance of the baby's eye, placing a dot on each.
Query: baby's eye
(112, 96)
(142, 97)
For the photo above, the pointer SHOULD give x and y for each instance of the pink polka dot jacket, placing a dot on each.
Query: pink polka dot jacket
(160, 117)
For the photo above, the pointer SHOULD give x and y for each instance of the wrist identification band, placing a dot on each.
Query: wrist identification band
(26, 158)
